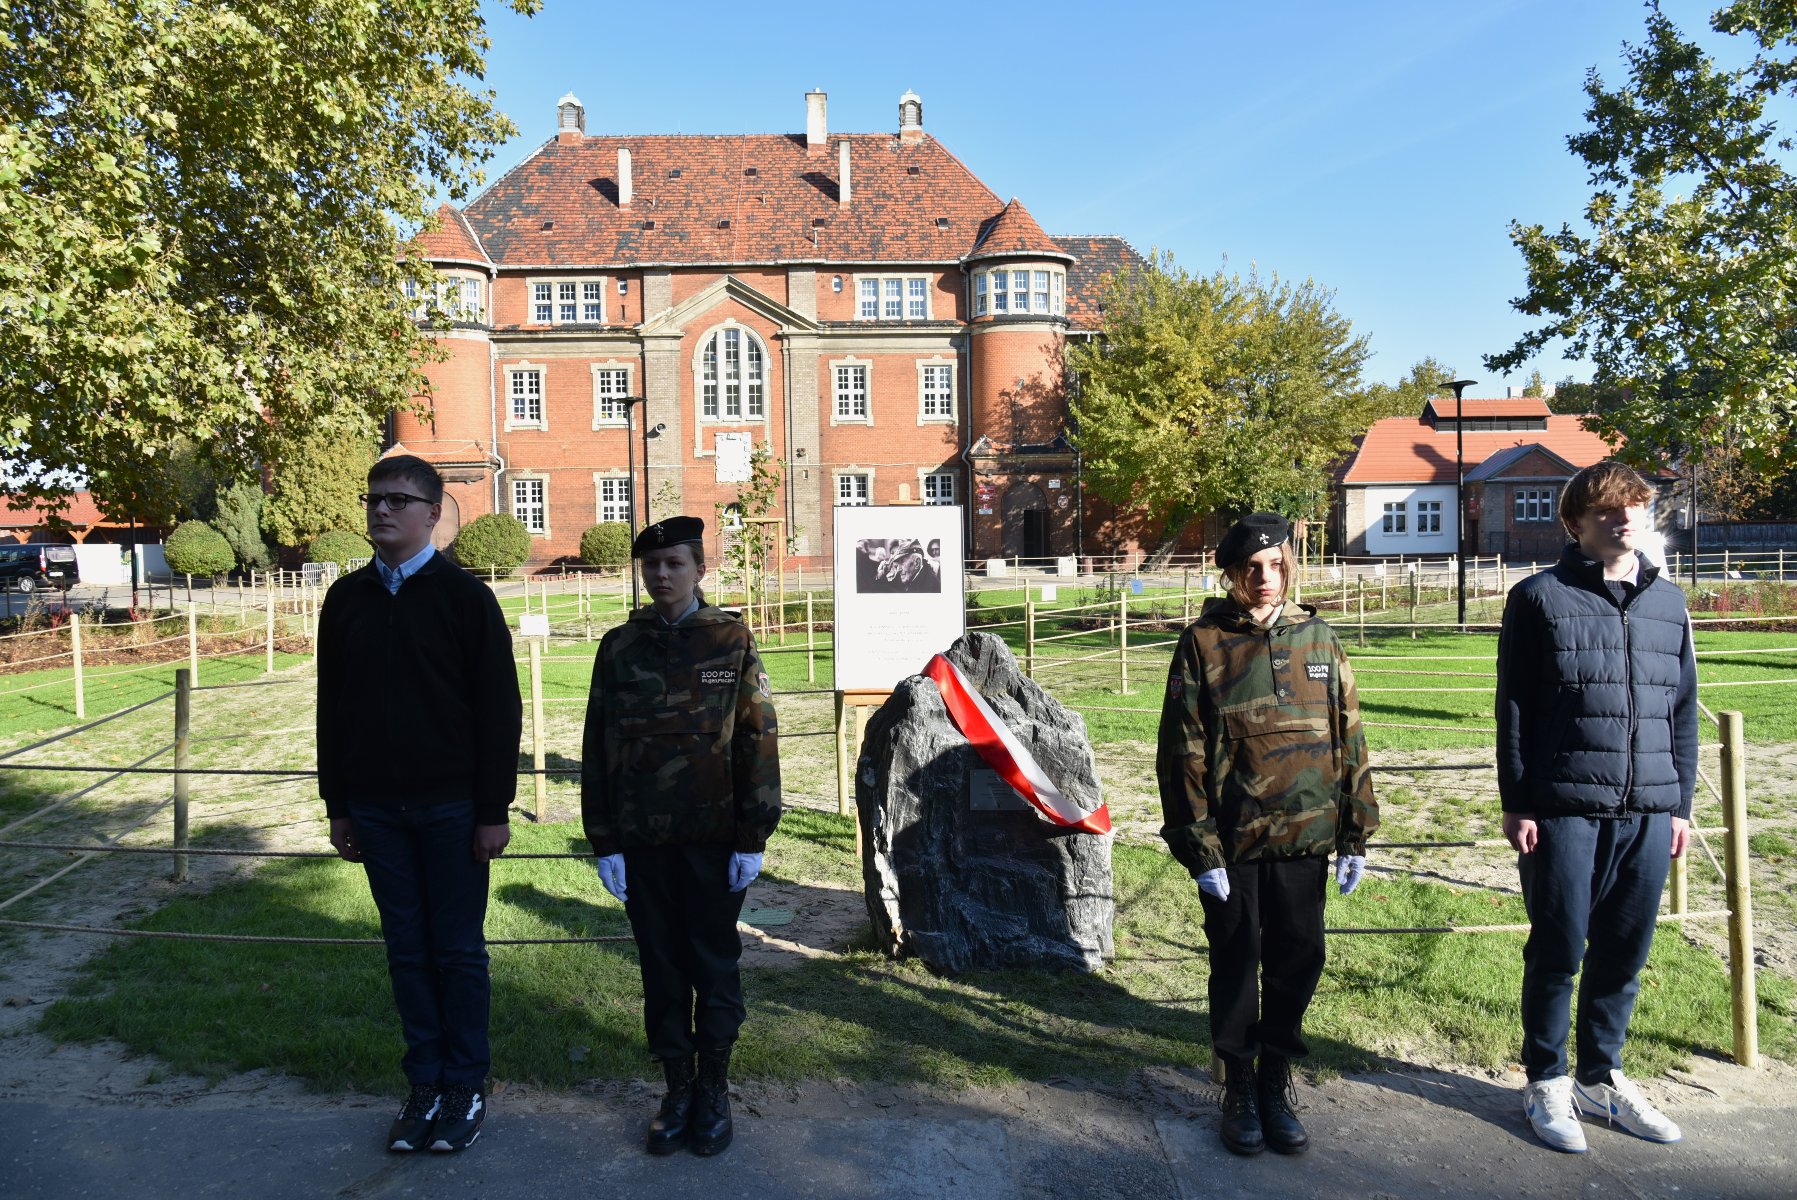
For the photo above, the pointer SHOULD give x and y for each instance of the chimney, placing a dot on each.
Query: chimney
(817, 130)
(624, 184)
(842, 182)
(570, 118)
(910, 116)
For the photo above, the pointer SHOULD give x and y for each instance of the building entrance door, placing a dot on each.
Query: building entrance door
(1035, 533)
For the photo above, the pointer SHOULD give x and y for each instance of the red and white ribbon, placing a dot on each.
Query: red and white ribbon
(1001, 750)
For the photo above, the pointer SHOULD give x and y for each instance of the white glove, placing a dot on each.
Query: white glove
(1216, 882)
(743, 870)
(611, 874)
(1348, 870)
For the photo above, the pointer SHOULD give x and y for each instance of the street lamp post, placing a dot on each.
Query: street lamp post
(1460, 386)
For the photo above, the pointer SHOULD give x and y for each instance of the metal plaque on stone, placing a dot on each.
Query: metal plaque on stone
(988, 792)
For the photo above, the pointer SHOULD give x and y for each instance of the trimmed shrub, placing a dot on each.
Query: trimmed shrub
(494, 542)
(339, 546)
(606, 545)
(195, 548)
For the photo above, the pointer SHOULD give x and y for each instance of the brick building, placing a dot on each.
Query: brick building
(631, 315)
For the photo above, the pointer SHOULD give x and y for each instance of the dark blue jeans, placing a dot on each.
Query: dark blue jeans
(1592, 888)
(432, 897)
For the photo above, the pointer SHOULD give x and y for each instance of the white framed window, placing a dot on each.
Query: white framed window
(732, 376)
(611, 388)
(939, 487)
(1057, 290)
(612, 496)
(1039, 292)
(935, 391)
(530, 503)
(1535, 504)
(567, 301)
(849, 385)
(1428, 516)
(892, 298)
(524, 398)
(852, 488)
(979, 294)
(1020, 291)
(1017, 292)
(1395, 519)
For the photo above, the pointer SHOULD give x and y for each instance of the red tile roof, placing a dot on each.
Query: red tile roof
(1095, 260)
(1014, 231)
(453, 240)
(78, 510)
(1519, 406)
(1408, 450)
(727, 200)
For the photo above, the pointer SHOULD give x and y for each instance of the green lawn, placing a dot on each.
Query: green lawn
(565, 1014)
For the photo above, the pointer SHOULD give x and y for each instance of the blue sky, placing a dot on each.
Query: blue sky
(1379, 148)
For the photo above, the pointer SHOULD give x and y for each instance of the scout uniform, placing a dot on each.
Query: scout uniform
(1263, 773)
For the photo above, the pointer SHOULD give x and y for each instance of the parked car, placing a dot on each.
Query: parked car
(35, 565)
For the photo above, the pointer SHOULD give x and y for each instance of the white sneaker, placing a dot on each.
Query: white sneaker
(1552, 1114)
(1621, 1103)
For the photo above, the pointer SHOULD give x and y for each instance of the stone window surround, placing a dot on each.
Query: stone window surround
(867, 368)
(516, 477)
(836, 477)
(599, 501)
(698, 370)
(530, 298)
(929, 298)
(525, 367)
(924, 474)
(612, 364)
(953, 389)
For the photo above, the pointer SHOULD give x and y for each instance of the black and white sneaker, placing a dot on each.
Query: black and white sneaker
(458, 1124)
(411, 1129)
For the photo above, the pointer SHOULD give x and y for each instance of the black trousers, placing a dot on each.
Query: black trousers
(1266, 955)
(684, 916)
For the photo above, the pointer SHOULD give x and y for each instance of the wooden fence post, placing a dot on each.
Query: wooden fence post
(1029, 635)
(80, 688)
(1360, 602)
(193, 641)
(1416, 595)
(1679, 886)
(268, 665)
(538, 742)
(183, 727)
(842, 755)
(1123, 642)
(1740, 891)
(810, 642)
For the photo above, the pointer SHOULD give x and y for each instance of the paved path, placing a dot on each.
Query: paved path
(1389, 1135)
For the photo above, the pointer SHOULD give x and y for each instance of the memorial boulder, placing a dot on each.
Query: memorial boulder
(959, 870)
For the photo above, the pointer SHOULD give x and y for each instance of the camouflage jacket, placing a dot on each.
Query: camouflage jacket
(1261, 753)
(680, 745)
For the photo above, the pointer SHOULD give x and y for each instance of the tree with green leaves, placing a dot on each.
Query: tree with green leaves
(315, 487)
(205, 208)
(1216, 393)
(239, 519)
(1682, 287)
(1425, 381)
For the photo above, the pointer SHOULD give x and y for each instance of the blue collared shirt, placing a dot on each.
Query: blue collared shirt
(394, 576)
(690, 610)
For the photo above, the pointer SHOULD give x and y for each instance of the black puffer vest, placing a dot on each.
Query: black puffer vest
(1598, 737)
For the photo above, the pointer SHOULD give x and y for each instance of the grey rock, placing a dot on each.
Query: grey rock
(951, 878)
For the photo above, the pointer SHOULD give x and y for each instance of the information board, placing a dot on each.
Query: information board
(898, 590)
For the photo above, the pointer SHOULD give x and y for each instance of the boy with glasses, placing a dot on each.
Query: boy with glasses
(1597, 764)
(419, 721)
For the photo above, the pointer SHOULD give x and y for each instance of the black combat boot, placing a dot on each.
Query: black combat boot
(1241, 1110)
(667, 1132)
(1283, 1131)
(711, 1129)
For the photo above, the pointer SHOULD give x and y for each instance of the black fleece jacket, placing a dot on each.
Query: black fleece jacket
(417, 694)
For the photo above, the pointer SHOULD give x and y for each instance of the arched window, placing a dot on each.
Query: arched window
(732, 377)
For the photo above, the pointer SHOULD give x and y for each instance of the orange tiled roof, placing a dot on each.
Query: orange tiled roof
(452, 240)
(1014, 231)
(726, 200)
(1408, 450)
(1519, 406)
(78, 510)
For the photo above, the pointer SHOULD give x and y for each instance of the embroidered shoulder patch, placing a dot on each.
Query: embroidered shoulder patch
(761, 686)
(719, 677)
(1176, 686)
(1317, 671)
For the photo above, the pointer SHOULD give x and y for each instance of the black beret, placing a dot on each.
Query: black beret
(675, 531)
(1250, 535)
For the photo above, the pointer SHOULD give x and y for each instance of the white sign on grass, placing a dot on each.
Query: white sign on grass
(898, 591)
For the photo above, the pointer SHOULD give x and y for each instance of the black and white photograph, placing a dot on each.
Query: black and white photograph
(909, 566)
